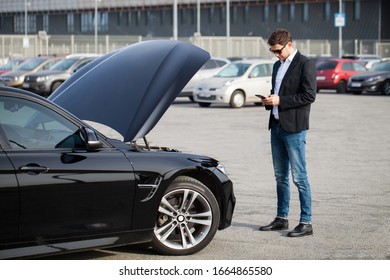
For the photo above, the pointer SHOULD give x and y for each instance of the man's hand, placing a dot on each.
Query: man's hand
(272, 100)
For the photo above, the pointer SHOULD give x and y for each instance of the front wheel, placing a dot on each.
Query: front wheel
(187, 220)
(386, 87)
(55, 86)
(238, 99)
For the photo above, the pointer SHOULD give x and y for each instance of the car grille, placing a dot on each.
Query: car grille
(357, 79)
(212, 97)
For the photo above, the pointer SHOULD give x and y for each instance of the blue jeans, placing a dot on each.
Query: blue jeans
(288, 149)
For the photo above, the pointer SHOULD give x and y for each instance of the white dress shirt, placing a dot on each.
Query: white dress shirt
(279, 78)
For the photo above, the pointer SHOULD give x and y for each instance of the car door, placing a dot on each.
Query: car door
(258, 82)
(65, 189)
(9, 198)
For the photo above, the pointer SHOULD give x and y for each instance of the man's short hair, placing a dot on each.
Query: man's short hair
(279, 36)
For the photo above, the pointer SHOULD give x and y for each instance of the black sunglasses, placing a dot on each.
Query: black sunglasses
(278, 51)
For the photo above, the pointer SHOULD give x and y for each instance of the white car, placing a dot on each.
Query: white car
(212, 66)
(236, 84)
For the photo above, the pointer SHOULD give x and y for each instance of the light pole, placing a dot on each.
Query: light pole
(25, 39)
(175, 20)
(340, 31)
(96, 25)
(25, 18)
(227, 18)
(198, 17)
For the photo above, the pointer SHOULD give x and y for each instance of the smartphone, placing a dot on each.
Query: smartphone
(260, 96)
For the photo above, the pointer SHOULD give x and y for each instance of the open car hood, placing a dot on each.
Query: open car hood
(131, 88)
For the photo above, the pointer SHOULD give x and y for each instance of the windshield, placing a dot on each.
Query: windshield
(233, 70)
(381, 67)
(327, 65)
(10, 65)
(64, 65)
(31, 64)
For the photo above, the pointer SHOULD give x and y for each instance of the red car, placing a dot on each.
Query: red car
(334, 73)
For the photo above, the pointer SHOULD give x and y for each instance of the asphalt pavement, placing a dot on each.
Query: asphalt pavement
(348, 157)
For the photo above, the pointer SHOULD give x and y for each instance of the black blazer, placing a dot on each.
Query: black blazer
(297, 92)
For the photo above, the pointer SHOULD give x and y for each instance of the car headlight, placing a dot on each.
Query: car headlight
(18, 78)
(373, 79)
(227, 83)
(42, 79)
(210, 163)
(221, 168)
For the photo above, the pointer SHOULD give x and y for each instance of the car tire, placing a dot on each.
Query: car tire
(385, 90)
(54, 86)
(237, 100)
(187, 220)
(204, 104)
(341, 87)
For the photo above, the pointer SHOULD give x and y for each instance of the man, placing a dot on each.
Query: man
(293, 90)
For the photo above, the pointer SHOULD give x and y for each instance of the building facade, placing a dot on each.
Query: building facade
(310, 19)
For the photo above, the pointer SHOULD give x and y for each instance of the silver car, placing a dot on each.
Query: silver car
(16, 78)
(212, 66)
(236, 84)
(46, 81)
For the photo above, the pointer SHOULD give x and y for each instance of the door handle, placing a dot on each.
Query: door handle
(34, 169)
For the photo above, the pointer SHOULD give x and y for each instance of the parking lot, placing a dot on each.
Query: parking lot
(348, 154)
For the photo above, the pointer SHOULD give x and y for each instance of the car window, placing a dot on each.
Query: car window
(220, 63)
(48, 65)
(358, 67)
(327, 65)
(233, 70)
(28, 125)
(348, 66)
(64, 64)
(260, 71)
(81, 65)
(31, 64)
(210, 64)
(381, 67)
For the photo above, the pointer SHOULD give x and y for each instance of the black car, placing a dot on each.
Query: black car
(377, 79)
(66, 186)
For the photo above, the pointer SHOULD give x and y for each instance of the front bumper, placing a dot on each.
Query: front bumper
(42, 88)
(364, 86)
(217, 96)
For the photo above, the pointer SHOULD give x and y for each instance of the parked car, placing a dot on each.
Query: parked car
(371, 62)
(237, 58)
(321, 58)
(11, 65)
(334, 73)
(207, 70)
(367, 59)
(377, 79)
(236, 84)
(16, 77)
(46, 81)
(66, 186)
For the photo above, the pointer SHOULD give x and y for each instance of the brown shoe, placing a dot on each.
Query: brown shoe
(277, 224)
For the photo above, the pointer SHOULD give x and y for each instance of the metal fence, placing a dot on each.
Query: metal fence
(17, 46)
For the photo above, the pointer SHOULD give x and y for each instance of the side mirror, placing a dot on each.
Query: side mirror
(92, 140)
